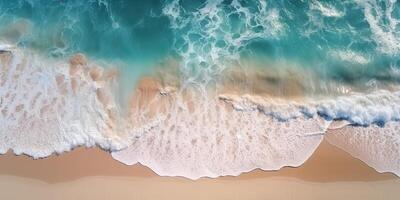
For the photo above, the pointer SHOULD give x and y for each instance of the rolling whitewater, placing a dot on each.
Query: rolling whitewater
(202, 88)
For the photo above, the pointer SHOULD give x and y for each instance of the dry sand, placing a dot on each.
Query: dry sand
(92, 174)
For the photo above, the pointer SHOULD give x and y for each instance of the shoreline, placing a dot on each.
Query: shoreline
(327, 164)
(93, 174)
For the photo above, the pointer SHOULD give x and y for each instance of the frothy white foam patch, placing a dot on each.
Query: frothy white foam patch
(326, 9)
(52, 106)
(383, 24)
(351, 56)
(211, 141)
(5, 47)
(361, 109)
(379, 147)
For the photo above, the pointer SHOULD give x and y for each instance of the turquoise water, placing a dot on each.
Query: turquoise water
(346, 41)
(123, 30)
(124, 33)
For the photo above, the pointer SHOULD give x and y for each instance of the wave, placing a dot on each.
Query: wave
(51, 106)
(195, 137)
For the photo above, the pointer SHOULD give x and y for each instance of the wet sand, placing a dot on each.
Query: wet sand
(92, 174)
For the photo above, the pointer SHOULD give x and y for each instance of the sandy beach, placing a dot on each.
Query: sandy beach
(92, 174)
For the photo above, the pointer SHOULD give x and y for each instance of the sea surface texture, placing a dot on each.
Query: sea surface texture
(200, 88)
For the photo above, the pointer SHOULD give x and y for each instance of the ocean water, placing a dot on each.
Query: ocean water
(202, 88)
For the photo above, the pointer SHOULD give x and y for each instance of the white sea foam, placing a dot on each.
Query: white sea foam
(351, 56)
(361, 109)
(379, 147)
(211, 140)
(6, 47)
(386, 35)
(52, 106)
(326, 9)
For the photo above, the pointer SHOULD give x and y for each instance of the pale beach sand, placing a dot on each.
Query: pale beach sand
(92, 174)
